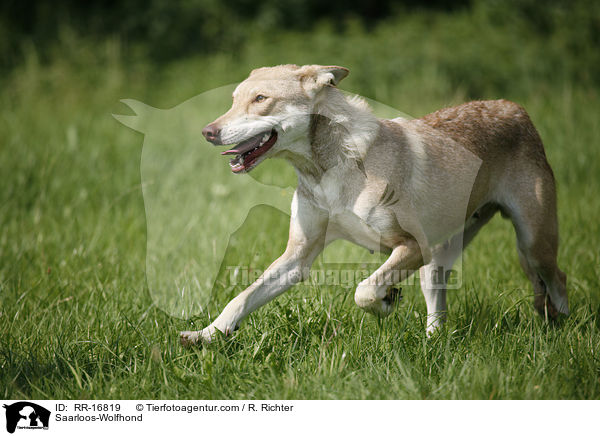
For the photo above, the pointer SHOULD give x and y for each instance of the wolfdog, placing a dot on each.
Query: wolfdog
(417, 189)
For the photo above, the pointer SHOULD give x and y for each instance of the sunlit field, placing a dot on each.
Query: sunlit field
(76, 314)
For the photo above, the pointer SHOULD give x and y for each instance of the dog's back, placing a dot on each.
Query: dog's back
(490, 129)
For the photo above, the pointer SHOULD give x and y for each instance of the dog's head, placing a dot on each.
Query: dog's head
(271, 113)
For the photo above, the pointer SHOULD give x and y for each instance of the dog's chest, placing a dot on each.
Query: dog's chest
(352, 215)
(353, 228)
(331, 193)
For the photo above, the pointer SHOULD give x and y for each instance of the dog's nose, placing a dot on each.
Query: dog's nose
(211, 133)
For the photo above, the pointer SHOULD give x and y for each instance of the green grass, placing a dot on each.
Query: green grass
(77, 318)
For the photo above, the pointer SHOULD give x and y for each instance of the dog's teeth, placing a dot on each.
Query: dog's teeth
(236, 165)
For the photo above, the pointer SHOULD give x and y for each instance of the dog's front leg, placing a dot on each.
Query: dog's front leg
(375, 294)
(308, 227)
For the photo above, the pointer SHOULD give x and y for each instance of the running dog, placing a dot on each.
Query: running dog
(417, 189)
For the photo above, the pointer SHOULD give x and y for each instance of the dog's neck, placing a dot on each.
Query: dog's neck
(340, 132)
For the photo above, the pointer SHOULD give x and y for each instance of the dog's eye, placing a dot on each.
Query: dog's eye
(260, 98)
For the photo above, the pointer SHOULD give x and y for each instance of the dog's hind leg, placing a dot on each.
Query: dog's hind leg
(541, 300)
(434, 276)
(375, 294)
(533, 213)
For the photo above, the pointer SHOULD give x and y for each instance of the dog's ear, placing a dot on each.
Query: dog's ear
(316, 77)
(331, 76)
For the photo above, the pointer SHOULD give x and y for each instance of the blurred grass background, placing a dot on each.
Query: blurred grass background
(76, 317)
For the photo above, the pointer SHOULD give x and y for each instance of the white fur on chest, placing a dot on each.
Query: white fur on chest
(352, 215)
(349, 226)
(331, 193)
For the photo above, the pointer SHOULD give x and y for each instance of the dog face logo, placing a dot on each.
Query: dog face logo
(189, 188)
(26, 415)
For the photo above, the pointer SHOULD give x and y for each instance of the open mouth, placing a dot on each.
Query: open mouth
(247, 152)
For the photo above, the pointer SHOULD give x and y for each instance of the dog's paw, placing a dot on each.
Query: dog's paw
(433, 330)
(191, 338)
(380, 307)
(393, 295)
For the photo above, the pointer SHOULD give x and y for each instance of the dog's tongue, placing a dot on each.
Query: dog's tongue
(245, 146)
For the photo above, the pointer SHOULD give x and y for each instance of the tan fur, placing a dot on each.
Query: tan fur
(515, 169)
(418, 189)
